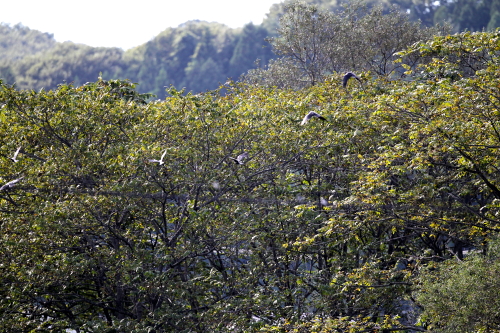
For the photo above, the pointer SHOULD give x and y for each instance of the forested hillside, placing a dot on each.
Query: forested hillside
(226, 211)
(199, 56)
(18, 41)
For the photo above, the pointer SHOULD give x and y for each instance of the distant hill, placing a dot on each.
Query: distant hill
(196, 55)
(19, 41)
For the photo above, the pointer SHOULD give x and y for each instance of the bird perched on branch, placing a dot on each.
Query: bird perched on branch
(10, 184)
(14, 158)
(160, 161)
(240, 158)
(346, 78)
(309, 116)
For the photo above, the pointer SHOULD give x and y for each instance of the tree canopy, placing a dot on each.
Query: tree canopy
(119, 213)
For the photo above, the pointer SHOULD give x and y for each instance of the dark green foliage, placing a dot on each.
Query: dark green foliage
(494, 22)
(250, 47)
(465, 14)
(463, 296)
(195, 55)
(6, 75)
(462, 14)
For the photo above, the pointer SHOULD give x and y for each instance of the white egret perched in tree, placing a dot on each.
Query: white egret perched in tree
(160, 161)
(240, 158)
(14, 158)
(10, 184)
(346, 78)
(309, 116)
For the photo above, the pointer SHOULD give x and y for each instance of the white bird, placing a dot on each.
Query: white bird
(10, 184)
(160, 161)
(240, 158)
(346, 78)
(14, 158)
(309, 116)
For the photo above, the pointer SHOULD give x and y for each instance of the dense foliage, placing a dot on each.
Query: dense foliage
(324, 227)
(473, 282)
(197, 55)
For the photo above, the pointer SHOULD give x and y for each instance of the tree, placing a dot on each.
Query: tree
(204, 74)
(63, 63)
(106, 240)
(494, 22)
(442, 15)
(6, 75)
(250, 47)
(42, 62)
(473, 282)
(314, 44)
(304, 33)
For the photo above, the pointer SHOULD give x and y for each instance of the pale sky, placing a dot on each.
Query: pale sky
(123, 23)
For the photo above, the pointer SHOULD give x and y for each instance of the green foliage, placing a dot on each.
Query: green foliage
(95, 237)
(494, 22)
(325, 227)
(195, 56)
(463, 296)
(461, 14)
(250, 47)
(464, 15)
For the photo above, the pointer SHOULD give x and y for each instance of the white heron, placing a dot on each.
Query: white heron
(240, 158)
(10, 184)
(160, 161)
(309, 116)
(14, 158)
